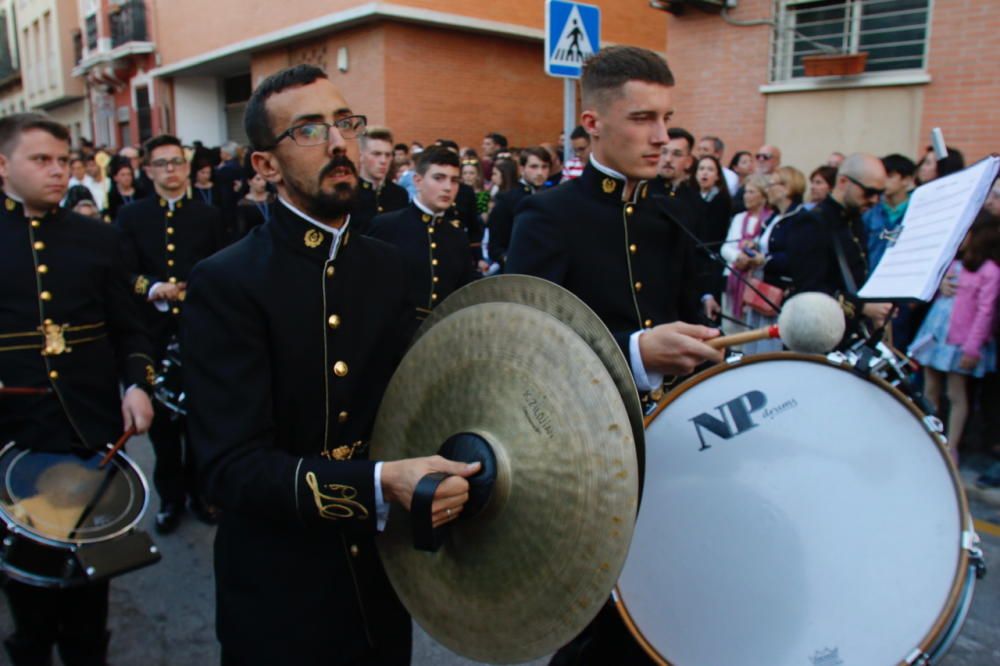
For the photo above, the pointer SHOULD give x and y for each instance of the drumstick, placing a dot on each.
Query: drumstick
(17, 390)
(742, 338)
(117, 447)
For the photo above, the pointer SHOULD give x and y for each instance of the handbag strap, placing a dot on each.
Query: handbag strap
(845, 271)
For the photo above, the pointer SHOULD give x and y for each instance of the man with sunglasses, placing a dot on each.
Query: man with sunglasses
(163, 237)
(768, 160)
(828, 250)
(290, 337)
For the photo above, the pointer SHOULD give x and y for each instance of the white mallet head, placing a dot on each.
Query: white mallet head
(811, 322)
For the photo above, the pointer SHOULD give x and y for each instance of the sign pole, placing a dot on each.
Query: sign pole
(569, 117)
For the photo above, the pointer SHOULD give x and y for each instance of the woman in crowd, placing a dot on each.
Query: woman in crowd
(821, 181)
(741, 251)
(743, 166)
(707, 180)
(203, 188)
(472, 175)
(123, 187)
(505, 180)
(253, 209)
(955, 340)
(930, 167)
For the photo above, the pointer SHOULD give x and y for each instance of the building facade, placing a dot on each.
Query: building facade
(741, 75)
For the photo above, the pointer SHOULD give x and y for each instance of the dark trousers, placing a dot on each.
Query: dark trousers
(75, 620)
(174, 473)
(606, 640)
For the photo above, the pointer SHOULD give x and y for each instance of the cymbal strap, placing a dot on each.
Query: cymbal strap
(425, 536)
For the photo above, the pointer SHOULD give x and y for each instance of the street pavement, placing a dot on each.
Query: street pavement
(163, 615)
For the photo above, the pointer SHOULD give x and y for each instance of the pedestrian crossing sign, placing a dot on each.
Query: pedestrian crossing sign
(572, 34)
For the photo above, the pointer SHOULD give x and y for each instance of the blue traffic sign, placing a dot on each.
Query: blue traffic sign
(572, 34)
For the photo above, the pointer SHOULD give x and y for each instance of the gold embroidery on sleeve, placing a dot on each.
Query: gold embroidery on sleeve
(340, 505)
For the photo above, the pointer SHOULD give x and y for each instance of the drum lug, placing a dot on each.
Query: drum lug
(970, 542)
(934, 425)
(918, 658)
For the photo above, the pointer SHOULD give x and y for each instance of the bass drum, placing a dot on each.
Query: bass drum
(796, 513)
(67, 521)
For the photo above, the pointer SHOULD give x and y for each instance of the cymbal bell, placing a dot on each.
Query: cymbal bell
(528, 573)
(565, 306)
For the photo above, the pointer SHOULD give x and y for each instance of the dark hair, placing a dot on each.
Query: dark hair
(13, 126)
(376, 134)
(721, 184)
(256, 121)
(983, 242)
(612, 67)
(401, 146)
(955, 161)
(118, 163)
(436, 155)
(733, 163)
(717, 142)
(827, 173)
(158, 142)
(508, 172)
(579, 133)
(681, 133)
(498, 139)
(896, 163)
(447, 143)
(535, 151)
(76, 194)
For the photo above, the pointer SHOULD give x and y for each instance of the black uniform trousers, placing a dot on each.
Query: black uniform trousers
(73, 619)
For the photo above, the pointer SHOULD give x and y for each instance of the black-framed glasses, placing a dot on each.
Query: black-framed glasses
(163, 163)
(317, 133)
(869, 192)
(764, 156)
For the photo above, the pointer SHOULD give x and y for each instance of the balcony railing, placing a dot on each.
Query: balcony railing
(128, 24)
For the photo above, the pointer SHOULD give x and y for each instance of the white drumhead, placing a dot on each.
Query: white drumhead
(817, 524)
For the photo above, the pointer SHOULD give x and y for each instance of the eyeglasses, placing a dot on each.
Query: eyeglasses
(869, 192)
(163, 163)
(763, 157)
(315, 134)
(470, 162)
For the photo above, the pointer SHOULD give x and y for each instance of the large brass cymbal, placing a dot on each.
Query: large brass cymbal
(565, 306)
(526, 575)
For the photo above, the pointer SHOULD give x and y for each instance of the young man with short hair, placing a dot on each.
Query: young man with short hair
(580, 141)
(68, 326)
(433, 242)
(883, 220)
(536, 163)
(377, 194)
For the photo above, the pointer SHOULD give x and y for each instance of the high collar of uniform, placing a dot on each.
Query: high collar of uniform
(306, 237)
(608, 183)
(371, 185)
(836, 210)
(427, 216)
(173, 204)
(15, 208)
(528, 187)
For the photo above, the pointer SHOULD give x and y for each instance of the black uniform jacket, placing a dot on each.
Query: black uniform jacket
(436, 251)
(68, 323)
(287, 354)
(374, 201)
(501, 220)
(161, 245)
(628, 260)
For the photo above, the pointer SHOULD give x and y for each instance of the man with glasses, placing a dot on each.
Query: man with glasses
(768, 160)
(290, 337)
(828, 251)
(163, 237)
(377, 195)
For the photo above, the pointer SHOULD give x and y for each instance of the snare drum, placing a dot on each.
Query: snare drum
(64, 521)
(796, 514)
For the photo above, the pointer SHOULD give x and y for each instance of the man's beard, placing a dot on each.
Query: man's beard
(327, 205)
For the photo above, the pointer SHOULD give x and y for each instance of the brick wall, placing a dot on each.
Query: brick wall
(719, 68)
(963, 98)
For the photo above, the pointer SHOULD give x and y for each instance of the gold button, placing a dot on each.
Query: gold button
(340, 369)
(628, 209)
(170, 231)
(330, 270)
(175, 311)
(170, 262)
(434, 246)
(648, 323)
(170, 214)
(342, 417)
(430, 229)
(170, 247)
(46, 296)
(39, 245)
(172, 280)
(354, 550)
(380, 209)
(333, 321)
(53, 374)
(35, 224)
(633, 248)
(434, 297)
(434, 262)
(425, 217)
(43, 269)
(435, 279)
(638, 286)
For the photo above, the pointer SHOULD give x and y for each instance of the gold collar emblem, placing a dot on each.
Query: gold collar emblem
(10, 205)
(55, 340)
(456, 224)
(313, 238)
(608, 185)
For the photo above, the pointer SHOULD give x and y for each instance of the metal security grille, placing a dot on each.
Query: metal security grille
(894, 33)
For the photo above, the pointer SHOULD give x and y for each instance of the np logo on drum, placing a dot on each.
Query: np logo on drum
(736, 416)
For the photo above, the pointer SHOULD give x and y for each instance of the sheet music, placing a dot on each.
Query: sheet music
(937, 218)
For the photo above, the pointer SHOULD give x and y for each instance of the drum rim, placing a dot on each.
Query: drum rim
(16, 527)
(948, 613)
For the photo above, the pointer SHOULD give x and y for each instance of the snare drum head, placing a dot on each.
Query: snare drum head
(65, 497)
(793, 514)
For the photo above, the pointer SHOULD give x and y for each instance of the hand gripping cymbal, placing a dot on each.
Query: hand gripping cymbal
(533, 567)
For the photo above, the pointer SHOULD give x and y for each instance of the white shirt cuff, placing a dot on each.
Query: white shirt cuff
(160, 305)
(381, 506)
(644, 380)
